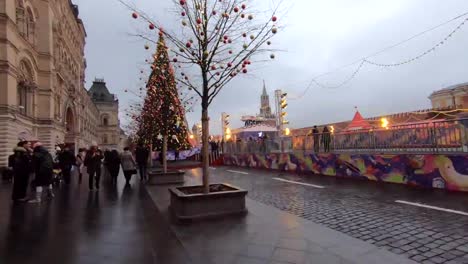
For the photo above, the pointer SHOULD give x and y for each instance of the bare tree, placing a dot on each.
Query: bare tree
(220, 38)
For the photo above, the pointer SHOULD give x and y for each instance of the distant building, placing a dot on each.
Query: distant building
(452, 97)
(108, 106)
(263, 124)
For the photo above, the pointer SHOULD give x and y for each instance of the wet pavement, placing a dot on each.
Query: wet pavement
(266, 235)
(115, 225)
(366, 211)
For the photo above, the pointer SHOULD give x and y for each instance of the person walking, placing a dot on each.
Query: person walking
(21, 165)
(128, 164)
(141, 155)
(66, 160)
(113, 165)
(80, 163)
(42, 163)
(316, 135)
(326, 138)
(93, 162)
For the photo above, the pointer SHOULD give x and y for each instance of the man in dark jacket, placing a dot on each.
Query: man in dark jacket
(21, 164)
(93, 162)
(66, 161)
(141, 155)
(42, 163)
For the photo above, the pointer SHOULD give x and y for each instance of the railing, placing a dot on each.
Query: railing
(429, 137)
(258, 146)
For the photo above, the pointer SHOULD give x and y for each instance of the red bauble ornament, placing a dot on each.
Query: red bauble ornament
(188, 45)
(230, 52)
(229, 64)
(174, 60)
(243, 6)
(242, 15)
(274, 18)
(182, 2)
(244, 35)
(213, 67)
(226, 37)
(236, 9)
(151, 26)
(182, 14)
(214, 12)
(135, 15)
(199, 21)
(229, 41)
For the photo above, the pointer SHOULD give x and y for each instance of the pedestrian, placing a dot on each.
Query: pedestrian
(42, 163)
(66, 160)
(326, 138)
(316, 135)
(21, 165)
(128, 164)
(176, 154)
(105, 165)
(93, 162)
(113, 165)
(142, 155)
(80, 163)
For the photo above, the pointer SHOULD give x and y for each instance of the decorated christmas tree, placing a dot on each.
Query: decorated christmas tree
(161, 123)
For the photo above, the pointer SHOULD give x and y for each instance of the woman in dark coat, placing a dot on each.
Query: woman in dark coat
(21, 164)
(43, 169)
(113, 165)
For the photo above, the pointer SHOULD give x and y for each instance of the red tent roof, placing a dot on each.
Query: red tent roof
(358, 122)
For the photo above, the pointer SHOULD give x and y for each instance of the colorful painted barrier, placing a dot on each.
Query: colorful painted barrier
(426, 170)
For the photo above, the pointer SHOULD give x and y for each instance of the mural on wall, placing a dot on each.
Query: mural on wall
(426, 170)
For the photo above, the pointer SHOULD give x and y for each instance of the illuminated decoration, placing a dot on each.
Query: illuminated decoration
(287, 131)
(225, 126)
(384, 123)
(191, 136)
(161, 116)
(283, 105)
(332, 129)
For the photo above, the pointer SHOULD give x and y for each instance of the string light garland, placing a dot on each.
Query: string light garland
(367, 60)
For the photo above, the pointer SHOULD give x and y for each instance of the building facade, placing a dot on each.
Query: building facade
(108, 107)
(452, 97)
(42, 73)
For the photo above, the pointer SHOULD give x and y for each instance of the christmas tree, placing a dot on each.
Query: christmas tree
(162, 116)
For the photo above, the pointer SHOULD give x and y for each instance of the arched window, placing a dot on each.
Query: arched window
(105, 120)
(26, 85)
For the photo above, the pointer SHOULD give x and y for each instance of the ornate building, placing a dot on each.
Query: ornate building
(42, 72)
(452, 97)
(108, 107)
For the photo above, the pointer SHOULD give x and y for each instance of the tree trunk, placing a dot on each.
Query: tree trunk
(205, 150)
(164, 154)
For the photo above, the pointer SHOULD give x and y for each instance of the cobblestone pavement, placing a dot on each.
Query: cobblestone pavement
(367, 211)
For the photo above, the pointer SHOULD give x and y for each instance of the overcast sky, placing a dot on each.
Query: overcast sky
(319, 36)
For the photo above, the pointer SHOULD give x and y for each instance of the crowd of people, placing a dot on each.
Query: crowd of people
(33, 166)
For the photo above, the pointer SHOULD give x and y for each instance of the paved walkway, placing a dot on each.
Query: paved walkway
(367, 211)
(114, 225)
(267, 235)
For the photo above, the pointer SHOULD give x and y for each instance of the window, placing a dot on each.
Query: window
(22, 99)
(20, 22)
(104, 139)
(105, 121)
(30, 26)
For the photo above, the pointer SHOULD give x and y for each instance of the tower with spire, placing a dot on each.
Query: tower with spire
(265, 109)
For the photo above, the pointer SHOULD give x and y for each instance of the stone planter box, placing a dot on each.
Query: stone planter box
(171, 177)
(189, 203)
